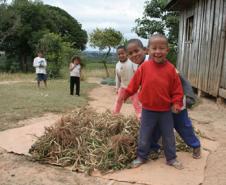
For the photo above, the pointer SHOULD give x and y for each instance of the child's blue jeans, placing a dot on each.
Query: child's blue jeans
(183, 126)
(149, 120)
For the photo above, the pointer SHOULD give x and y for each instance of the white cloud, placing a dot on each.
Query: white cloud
(117, 14)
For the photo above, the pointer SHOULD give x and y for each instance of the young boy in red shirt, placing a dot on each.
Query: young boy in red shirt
(159, 89)
(182, 123)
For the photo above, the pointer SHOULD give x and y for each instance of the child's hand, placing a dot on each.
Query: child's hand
(176, 108)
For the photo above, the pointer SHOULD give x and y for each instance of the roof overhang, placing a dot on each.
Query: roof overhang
(177, 5)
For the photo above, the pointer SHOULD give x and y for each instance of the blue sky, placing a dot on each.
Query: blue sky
(118, 14)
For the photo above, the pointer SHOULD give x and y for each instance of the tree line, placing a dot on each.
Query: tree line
(27, 26)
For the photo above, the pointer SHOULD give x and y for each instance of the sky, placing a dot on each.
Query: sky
(118, 14)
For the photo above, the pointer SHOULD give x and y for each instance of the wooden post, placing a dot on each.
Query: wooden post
(200, 93)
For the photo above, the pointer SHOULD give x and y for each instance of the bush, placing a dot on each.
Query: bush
(172, 55)
(3, 63)
(9, 64)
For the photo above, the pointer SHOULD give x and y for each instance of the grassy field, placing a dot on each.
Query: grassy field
(24, 100)
(93, 70)
(17, 77)
(90, 70)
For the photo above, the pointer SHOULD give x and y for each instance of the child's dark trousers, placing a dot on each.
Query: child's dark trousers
(75, 81)
(183, 126)
(149, 120)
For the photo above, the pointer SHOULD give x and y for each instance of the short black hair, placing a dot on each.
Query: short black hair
(137, 41)
(75, 58)
(157, 35)
(121, 47)
(40, 51)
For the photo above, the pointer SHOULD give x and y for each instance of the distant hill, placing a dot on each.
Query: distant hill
(96, 55)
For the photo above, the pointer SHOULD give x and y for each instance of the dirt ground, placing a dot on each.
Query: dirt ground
(209, 117)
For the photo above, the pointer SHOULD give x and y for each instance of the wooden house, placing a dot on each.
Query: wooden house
(202, 43)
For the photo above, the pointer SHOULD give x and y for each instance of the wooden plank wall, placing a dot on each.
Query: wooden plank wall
(223, 76)
(205, 42)
(217, 52)
(202, 60)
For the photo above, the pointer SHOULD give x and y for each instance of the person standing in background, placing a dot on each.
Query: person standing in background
(75, 72)
(40, 65)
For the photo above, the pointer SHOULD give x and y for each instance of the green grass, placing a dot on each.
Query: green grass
(98, 70)
(24, 100)
(98, 65)
(92, 70)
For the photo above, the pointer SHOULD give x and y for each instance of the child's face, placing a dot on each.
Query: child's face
(122, 56)
(76, 61)
(135, 53)
(40, 54)
(158, 49)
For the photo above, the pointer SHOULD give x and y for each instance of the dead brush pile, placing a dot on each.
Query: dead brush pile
(89, 140)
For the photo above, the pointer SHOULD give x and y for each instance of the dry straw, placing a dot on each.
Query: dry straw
(88, 140)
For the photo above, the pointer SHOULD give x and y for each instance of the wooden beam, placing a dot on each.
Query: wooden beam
(222, 93)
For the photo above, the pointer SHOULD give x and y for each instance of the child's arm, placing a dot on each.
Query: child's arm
(35, 63)
(188, 91)
(177, 94)
(44, 63)
(71, 66)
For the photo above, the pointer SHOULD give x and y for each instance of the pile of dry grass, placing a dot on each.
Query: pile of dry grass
(89, 140)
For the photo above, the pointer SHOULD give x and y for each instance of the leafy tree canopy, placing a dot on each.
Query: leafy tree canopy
(105, 39)
(157, 19)
(23, 23)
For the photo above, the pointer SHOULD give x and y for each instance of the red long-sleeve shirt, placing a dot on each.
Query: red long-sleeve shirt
(159, 84)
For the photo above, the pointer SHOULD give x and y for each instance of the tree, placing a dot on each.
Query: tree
(105, 39)
(23, 23)
(56, 51)
(66, 26)
(157, 19)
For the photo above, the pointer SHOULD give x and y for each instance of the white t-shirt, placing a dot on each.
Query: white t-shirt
(76, 68)
(124, 72)
(40, 65)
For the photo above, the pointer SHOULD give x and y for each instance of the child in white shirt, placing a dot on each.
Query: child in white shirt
(40, 65)
(125, 70)
(75, 69)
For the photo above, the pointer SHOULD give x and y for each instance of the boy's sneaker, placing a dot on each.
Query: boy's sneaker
(196, 153)
(137, 162)
(176, 164)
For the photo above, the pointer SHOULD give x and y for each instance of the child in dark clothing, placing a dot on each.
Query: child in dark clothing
(160, 88)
